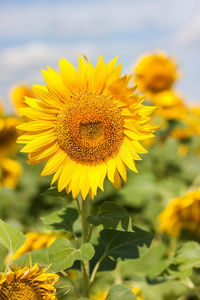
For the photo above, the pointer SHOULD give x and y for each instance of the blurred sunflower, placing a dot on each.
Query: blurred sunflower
(136, 291)
(36, 241)
(191, 126)
(86, 124)
(1, 107)
(170, 105)
(102, 295)
(195, 110)
(99, 296)
(182, 214)
(18, 94)
(8, 135)
(28, 283)
(155, 73)
(10, 171)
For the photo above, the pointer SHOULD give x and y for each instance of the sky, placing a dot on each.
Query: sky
(34, 34)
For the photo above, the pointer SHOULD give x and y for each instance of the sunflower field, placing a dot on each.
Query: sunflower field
(100, 185)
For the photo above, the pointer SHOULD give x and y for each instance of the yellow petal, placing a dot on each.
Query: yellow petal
(54, 163)
(117, 181)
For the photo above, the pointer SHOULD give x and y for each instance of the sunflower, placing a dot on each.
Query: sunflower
(182, 214)
(99, 296)
(1, 107)
(10, 171)
(17, 95)
(28, 283)
(87, 124)
(170, 105)
(8, 135)
(36, 241)
(155, 73)
(136, 291)
(190, 127)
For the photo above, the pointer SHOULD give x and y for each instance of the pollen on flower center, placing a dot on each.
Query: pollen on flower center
(20, 290)
(90, 128)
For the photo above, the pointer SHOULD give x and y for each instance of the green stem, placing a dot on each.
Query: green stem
(85, 232)
(89, 234)
(188, 282)
(97, 267)
(172, 247)
(78, 206)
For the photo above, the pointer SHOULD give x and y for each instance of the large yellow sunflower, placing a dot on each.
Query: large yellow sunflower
(28, 284)
(87, 124)
(155, 73)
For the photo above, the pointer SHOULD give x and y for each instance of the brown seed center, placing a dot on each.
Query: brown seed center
(90, 128)
(21, 290)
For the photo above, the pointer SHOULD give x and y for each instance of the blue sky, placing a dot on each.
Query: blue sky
(34, 34)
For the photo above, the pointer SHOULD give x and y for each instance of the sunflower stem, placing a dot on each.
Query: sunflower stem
(97, 266)
(85, 232)
(78, 206)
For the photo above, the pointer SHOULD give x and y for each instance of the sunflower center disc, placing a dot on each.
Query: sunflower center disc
(89, 128)
(20, 290)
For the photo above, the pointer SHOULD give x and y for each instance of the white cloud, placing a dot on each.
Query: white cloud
(91, 18)
(35, 34)
(22, 64)
(191, 34)
(36, 55)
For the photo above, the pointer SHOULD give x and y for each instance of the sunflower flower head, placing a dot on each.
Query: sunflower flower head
(36, 241)
(170, 106)
(182, 214)
(28, 283)
(87, 124)
(8, 135)
(100, 295)
(155, 73)
(190, 127)
(18, 94)
(1, 107)
(136, 291)
(10, 171)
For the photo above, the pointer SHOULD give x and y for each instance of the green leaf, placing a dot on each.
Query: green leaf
(83, 298)
(62, 219)
(122, 244)
(37, 256)
(53, 192)
(62, 254)
(11, 238)
(119, 292)
(188, 256)
(110, 215)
